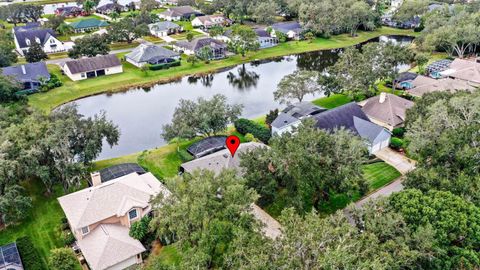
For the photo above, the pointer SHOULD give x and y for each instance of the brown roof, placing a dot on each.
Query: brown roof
(388, 108)
(423, 85)
(93, 63)
(465, 70)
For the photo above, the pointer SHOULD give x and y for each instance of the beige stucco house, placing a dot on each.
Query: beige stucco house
(100, 218)
(85, 68)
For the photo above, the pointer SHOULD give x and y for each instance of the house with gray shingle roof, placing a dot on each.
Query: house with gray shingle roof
(151, 54)
(293, 115)
(85, 68)
(219, 48)
(29, 75)
(165, 28)
(100, 217)
(351, 117)
(182, 13)
(293, 30)
(25, 37)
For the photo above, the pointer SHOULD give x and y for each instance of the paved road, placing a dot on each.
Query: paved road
(386, 191)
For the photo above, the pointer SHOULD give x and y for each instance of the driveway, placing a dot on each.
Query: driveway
(385, 191)
(400, 162)
(168, 39)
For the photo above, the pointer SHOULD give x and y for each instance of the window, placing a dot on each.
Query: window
(27, 41)
(85, 230)
(82, 75)
(52, 41)
(132, 214)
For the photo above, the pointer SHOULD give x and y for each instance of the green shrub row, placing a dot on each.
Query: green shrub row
(31, 259)
(164, 66)
(244, 126)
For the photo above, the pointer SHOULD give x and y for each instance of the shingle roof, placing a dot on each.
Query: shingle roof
(199, 43)
(88, 23)
(180, 11)
(28, 26)
(93, 63)
(144, 53)
(351, 117)
(285, 27)
(108, 245)
(388, 108)
(465, 70)
(32, 35)
(163, 26)
(113, 198)
(295, 112)
(211, 19)
(423, 85)
(33, 72)
(110, 6)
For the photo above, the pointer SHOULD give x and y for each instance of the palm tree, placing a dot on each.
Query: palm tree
(88, 6)
(114, 15)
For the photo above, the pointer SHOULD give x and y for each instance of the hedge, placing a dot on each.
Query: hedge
(164, 66)
(396, 143)
(244, 126)
(31, 259)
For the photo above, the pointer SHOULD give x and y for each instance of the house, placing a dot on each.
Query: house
(351, 117)
(424, 84)
(209, 21)
(404, 80)
(100, 217)
(10, 258)
(168, 2)
(265, 40)
(219, 48)
(151, 54)
(293, 30)
(165, 28)
(207, 146)
(110, 8)
(69, 11)
(387, 110)
(88, 25)
(461, 69)
(182, 13)
(45, 37)
(92, 67)
(218, 161)
(293, 115)
(29, 75)
(26, 27)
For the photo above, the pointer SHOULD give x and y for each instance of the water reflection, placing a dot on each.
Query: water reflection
(245, 79)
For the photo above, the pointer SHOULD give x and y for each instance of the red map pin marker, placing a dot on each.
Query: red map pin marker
(232, 142)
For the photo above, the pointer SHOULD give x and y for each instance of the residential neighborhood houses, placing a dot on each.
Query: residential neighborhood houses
(239, 135)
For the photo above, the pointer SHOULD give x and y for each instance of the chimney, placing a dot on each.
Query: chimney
(24, 71)
(383, 96)
(96, 179)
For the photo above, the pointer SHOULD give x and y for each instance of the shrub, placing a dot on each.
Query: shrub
(68, 238)
(396, 143)
(250, 138)
(260, 132)
(139, 229)
(62, 259)
(31, 259)
(271, 116)
(164, 66)
(398, 132)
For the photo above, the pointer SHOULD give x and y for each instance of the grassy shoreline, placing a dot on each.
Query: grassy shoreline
(133, 77)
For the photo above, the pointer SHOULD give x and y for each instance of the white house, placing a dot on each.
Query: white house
(178, 13)
(209, 21)
(165, 28)
(151, 54)
(293, 115)
(100, 218)
(25, 37)
(92, 67)
(293, 30)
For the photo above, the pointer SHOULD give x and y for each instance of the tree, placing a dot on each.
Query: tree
(193, 59)
(20, 13)
(8, 89)
(62, 259)
(455, 222)
(189, 36)
(307, 166)
(7, 54)
(216, 31)
(148, 5)
(205, 53)
(421, 59)
(410, 9)
(206, 214)
(271, 116)
(115, 16)
(64, 29)
(243, 40)
(90, 45)
(139, 229)
(35, 53)
(296, 86)
(88, 6)
(442, 135)
(127, 29)
(355, 15)
(264, 12)
(203, 117)
(14, 205)
(55, 21)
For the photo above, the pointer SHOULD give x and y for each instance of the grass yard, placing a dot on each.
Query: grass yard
(42, 224)
(379, 174)
(332, 101)
(132, 77)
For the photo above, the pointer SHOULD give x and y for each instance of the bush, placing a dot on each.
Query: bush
(164, 66)
(68, 238)
(396, 143)
(260, 132)
(398, 132)
(271, 116)
(250, 138)
(62, 259)
(139, 229)
(31, 259)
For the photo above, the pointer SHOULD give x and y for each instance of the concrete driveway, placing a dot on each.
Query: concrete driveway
(402, 163)
(385, 191)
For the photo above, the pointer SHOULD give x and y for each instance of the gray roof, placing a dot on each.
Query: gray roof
(32, 35)
(199, 43)
(388, 108)
(27, 72)
(406, 76)
(163, 26)
(93, 63)
(180, 11)
(145, 53)
(110, 6)
(207, 146)
(295, 112)
(285, 27)
(351, 117)
(28, 26)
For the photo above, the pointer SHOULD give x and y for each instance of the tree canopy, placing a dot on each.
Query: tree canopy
(296, 86)
(90, 45)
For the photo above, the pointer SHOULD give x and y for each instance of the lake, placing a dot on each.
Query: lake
(140, 113)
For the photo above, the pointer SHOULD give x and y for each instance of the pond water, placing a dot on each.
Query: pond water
(140, 113)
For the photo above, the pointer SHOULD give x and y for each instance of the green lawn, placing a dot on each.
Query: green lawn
(132, 76)
(379, 174)
(332, 101)
(42, 224)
